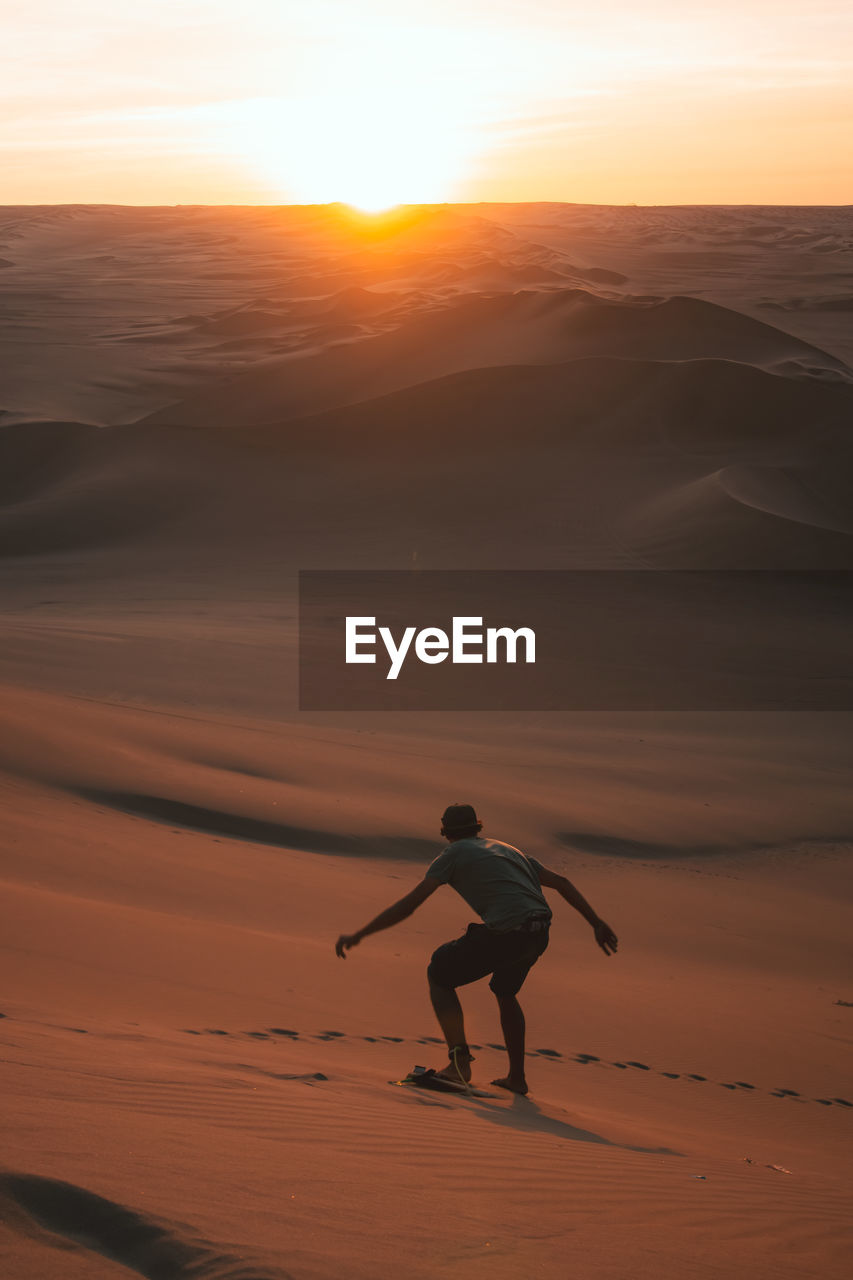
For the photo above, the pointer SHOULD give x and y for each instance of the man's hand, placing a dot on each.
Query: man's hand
(344, 942)
(393, 915)
(605, 937)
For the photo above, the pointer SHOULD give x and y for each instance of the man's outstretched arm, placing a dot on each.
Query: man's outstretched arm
(604, 935)
(393, 915)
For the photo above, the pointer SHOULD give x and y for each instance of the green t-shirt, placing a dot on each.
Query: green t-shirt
(496, 880)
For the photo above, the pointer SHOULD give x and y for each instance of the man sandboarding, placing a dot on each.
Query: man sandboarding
(505, 889)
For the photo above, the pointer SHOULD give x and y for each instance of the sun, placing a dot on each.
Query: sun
(371, 151)
(372, 194)
(372, 205)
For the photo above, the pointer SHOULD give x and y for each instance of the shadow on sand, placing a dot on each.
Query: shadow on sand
(525, 1115)
(234, 826)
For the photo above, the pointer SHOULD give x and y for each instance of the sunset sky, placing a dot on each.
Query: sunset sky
(375, 102)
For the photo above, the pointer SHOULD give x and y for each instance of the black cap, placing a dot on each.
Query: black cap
(457, 817)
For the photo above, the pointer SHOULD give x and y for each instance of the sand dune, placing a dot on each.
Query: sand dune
(630, 444)
(198, 402)
(112, 1231)
(544, 327)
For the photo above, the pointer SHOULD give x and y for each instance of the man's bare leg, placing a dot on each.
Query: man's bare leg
(448, 1010)
(512, 1024)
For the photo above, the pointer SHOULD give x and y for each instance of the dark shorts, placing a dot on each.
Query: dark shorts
(508, 957)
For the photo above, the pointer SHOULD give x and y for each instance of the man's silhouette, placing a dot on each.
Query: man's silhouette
(504, 888)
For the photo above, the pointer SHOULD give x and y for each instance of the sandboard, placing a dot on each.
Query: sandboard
(427, 1078)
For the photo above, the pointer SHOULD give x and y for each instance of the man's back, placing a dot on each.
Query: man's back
(495, 879)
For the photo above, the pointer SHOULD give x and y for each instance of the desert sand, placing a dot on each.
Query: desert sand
(198, 402)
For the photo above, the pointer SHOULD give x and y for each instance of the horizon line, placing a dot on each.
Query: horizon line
(426, 204)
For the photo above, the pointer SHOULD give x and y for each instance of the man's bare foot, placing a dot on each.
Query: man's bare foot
(458, 1067)
(513, 1085)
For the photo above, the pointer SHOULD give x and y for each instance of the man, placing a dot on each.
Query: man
(505, 889)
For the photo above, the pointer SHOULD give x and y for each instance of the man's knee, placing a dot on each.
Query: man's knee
(436, 978)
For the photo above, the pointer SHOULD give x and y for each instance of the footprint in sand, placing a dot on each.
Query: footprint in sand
(582, 1059)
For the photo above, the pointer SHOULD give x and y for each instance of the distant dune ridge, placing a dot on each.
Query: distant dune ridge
(194, 404)
(625, 461)
(775, 444)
